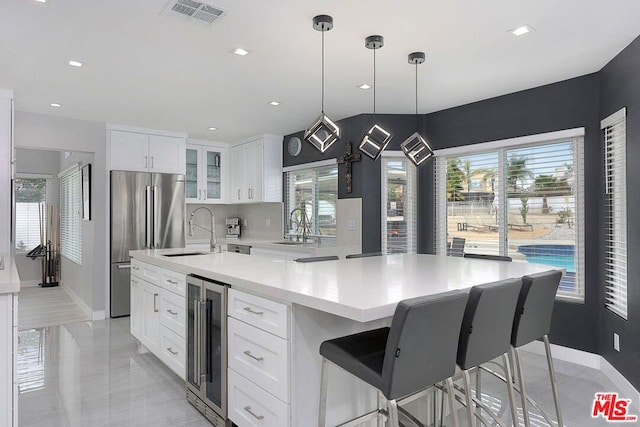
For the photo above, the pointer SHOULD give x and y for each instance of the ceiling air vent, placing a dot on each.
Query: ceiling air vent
(193, 11)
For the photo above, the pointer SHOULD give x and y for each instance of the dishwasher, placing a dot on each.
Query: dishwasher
(239, 249)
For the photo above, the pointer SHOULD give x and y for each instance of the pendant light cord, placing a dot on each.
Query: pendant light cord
(323, 31)
(416, 95)
(374, 83)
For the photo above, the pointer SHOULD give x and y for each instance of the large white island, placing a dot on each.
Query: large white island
(321, 301)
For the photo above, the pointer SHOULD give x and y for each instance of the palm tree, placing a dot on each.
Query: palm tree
(517, 171)
(466, 168)
(454, 180)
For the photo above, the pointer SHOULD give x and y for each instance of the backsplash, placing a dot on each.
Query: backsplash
(256, 216)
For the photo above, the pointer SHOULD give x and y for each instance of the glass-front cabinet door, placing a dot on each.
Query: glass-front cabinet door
(213, 191)
(191, 186)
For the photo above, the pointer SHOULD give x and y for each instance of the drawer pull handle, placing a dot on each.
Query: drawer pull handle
(173, 282)
(172, 312)
(170, 350)
(248, 353)
(257, 417)
(257, 313)
(135, 268)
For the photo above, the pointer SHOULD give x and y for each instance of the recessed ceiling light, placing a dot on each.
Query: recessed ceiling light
(240, 51)
(274, 103)
(41, 1)
(364, 86)
(74, 63)
(212, 128)
(55, 105)
(522, 30)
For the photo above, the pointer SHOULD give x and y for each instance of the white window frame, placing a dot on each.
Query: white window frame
(47, 178)
(615, 169)
(71, 214)
(287, 194)
(411, 199)
(575, 135)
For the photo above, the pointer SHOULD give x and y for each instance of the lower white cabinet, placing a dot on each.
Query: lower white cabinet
(8, 356)
(158, 315)
(251, 406)
(259, 359)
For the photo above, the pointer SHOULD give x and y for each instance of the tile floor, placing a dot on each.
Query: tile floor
(96, 374)
(40, 307)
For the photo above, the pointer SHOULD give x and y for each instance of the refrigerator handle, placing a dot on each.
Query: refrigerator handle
(147, 225)
(156, 232)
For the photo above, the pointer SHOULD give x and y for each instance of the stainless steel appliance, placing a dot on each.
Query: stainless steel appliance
(239, 249)
(207, 348)
(147, 212)
(233, 228)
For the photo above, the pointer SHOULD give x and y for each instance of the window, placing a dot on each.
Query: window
(313, 190)
(398, 205)
(30, 212)
(615, 154)
(70, 214)
(527, 202)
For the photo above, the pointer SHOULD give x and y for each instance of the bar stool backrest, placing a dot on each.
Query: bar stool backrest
(422, 343)
(535, 307)
(317, 258)
(366, 255)
(487, 324)
(488, 257)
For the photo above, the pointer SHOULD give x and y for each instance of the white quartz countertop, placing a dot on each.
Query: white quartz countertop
(9, 279)
(327, 247)
(361, 289)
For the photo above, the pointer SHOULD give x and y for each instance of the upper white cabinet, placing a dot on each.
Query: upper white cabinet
(207, 173)
(6, 172)
(256, 170)
(146, 151)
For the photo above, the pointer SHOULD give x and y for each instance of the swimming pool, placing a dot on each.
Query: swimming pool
(556, 255)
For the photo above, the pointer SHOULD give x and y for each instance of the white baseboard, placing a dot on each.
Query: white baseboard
(98, 315)
(29, 283)
(79, 301)
(589, 360)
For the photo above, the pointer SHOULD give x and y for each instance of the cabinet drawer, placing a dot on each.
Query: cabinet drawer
(250, 406)
(260, 312)
(172, 349)
(259, 356)
(172, 312)
(145, 271)
(174, 282)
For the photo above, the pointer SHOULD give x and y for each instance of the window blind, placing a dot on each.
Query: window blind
(315, 190)
(399, 199)
(70, 214)
(615, 155)
(525, 201)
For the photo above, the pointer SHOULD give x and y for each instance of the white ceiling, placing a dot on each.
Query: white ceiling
(150, 70)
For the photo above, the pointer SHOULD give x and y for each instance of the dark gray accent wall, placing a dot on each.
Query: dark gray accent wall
(563, 105)
(620, 84)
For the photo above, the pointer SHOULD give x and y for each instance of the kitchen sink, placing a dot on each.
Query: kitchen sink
(186, 254)
(290, 243)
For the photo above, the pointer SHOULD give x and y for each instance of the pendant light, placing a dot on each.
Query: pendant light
(377, 138)
(416, 148)
(323, 132)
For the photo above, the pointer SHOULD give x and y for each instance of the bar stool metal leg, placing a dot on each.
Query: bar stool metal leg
(393, 413)
(381, 406)
(324, 384)
(512, 397)
(467, 395)
(452, 402)
(552, 377)
(523, 390)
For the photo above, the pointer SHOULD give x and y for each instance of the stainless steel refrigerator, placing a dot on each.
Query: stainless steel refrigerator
(147, 212)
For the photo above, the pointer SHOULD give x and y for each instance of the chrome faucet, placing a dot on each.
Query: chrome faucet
(302, 225)
(214, 241)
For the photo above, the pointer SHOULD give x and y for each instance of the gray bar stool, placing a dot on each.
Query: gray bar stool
(317, 258)
(486, 334)
(416, 352)
(366, 255)
(488, 257)
(533, 321)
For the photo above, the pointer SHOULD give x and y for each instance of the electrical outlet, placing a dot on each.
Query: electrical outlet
(245, 222)
(351, 224)
(616, 342)
(267, 222)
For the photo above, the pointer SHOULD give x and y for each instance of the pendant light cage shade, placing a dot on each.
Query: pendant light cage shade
(375, 141)
(417, 149)
(322, 133)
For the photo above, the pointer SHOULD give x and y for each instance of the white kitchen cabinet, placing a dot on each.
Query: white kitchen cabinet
(151, 316)
(7, 171)
(137, 315)
(256, 170)
(8, 357)
(206, 179)
(146, 152)
(259, 354)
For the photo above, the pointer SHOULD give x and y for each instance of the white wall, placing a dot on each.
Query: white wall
(6, 157)
(55, 133)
